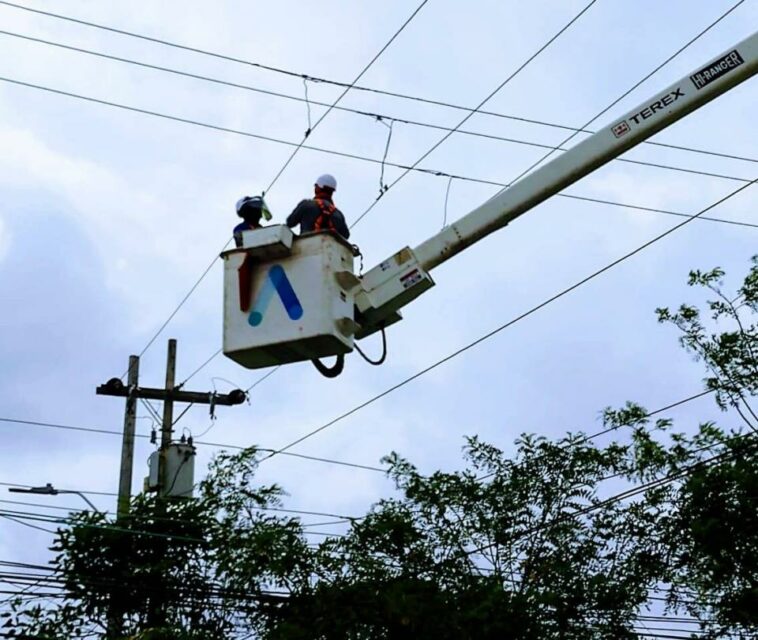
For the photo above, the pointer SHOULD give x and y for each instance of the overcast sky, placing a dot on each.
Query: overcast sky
(108, 217)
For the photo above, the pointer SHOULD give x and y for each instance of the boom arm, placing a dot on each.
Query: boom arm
(404, 276)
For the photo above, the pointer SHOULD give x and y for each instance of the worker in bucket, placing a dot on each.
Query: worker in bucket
(319, 212)
(251, 210)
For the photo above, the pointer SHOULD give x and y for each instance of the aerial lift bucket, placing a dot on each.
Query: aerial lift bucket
(288, 298)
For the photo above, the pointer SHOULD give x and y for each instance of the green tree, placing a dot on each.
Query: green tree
(534, 547)
(714, 528)
(174, 569)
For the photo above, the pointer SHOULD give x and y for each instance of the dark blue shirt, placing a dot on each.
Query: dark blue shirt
(242, 226)
(306, 213)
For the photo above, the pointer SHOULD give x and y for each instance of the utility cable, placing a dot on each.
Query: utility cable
(262, 378)
(25, 524)
(616, 427)
(629, 493)
(382, 185)
(220, 445)
(78, 510)
(152, 411)
(511, 322)
(476, 109)
(308, 108)
(447, 195)
(635, 491)
(187, 295)
(20, 516)
(199, 369)
(368, 114)
(315, 79)
(432, 172)
(43, 517)
(632, 88)
(305, 456)
(405, 173)
(342, 95)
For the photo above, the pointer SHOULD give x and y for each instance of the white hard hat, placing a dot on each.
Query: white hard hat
(326, 181)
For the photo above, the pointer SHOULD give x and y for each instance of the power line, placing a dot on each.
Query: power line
(25, 524)
(633, 87)
(52, 576)
(144, 436)
(199, 369)
(20, 516)
(463, 121)
(78, 510)
(342, 95)
(629, 493)
(523, 173)
(293, 511)
(367, 114)
(667, 212)
(511, 322)
(343, 154)
(192, 288)
(650, 414)
(355, 87)
(305, 525)
(302, 456)
(299, 455)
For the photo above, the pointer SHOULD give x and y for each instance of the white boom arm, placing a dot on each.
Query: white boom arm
(404, 276)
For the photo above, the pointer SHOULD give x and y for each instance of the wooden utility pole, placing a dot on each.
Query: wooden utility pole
(168, 419)
(127, 443)
(169, 394)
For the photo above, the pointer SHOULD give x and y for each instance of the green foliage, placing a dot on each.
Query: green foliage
(184, 569)
(731, 354)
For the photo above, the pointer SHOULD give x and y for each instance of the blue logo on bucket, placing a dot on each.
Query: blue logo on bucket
(276, 281)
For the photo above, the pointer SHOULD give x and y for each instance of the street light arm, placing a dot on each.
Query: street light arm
(50, 490)
(82, 496)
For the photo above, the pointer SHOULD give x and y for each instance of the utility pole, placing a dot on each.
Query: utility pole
(168, 419)
(127, 443)
(169, 395)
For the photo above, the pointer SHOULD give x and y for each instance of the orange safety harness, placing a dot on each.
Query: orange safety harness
(324, 221)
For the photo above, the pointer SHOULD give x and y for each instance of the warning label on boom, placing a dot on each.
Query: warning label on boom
(717, 69)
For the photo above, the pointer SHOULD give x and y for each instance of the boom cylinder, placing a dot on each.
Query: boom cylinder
(691, 92)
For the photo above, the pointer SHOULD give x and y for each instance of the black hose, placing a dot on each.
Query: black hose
(381, 360)
(330, 372)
